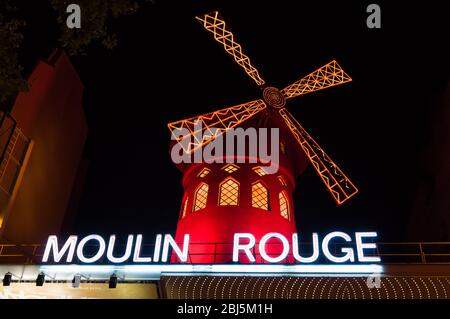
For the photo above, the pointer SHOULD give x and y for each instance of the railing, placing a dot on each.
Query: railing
(415, 252)
(207, 253)
(21, 254)
(13, 147)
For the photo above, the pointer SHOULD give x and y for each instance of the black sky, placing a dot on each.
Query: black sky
(166, 67)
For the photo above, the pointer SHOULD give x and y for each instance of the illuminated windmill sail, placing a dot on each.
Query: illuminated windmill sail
(274, 100)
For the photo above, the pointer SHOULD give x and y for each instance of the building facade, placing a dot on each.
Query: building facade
(42, 141)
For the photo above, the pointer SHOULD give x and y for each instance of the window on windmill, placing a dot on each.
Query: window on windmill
(282, 181)
(229, 193)
(284, 205)
(185, 207)
(259, 170)
(203, 173)
(230, 168)
(201, 195)
(260, 196)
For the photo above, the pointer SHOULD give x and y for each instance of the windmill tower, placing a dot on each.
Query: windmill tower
(223, 199)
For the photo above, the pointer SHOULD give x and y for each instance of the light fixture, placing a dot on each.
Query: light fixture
(76, 281)
(113, 281)
(7, 279)
(40, 279)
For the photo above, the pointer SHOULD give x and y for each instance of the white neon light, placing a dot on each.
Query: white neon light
(126, 255)
(262, 247)
(360, 246)
(237, 246)
(349, 255)
(315, 253)
(243, 245)
(98, 255)
(137, 251)
(52, 245)
(157, 248)
(155, 271)
(169, 241)
(84, 269)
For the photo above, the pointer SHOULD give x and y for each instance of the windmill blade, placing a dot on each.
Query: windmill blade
(329, 75)
(205, 128)
(339, 186)
(216, 25)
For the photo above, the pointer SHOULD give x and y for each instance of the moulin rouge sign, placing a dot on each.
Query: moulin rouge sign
(243, 245)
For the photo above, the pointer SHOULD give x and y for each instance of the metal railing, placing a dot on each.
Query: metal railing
(13, 148)
(207, 253)
(415, 252)
(22, 254)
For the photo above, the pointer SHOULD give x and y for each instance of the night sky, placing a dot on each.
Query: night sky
(167, 67)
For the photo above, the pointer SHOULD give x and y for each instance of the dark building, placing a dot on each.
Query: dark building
(430, 218)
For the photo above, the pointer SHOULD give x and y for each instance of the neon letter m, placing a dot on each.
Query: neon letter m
(52, 245)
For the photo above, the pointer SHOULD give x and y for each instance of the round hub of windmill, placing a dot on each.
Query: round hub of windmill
(273, 97)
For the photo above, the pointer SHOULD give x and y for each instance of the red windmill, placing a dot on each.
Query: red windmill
(223, 199)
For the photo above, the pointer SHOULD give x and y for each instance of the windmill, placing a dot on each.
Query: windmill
(273, 101)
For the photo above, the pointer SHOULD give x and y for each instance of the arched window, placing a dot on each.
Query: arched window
(260, 196)
(230, 168)
(203, 173)
(201, 195)
(284, 206)
(229, 192)
(259, 170)
(184, 207)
